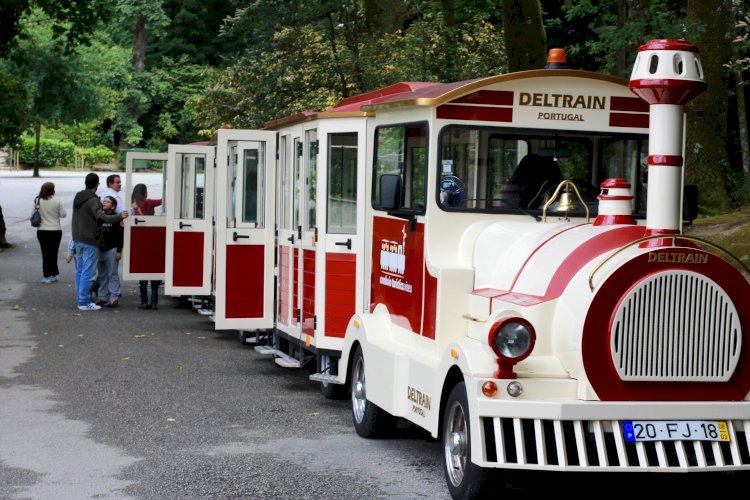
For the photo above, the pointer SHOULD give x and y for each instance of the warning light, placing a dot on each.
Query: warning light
(556, 59)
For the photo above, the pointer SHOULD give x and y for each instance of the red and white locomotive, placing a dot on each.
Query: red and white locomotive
(500, 261)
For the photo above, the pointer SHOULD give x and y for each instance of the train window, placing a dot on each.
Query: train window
(487, 169)
(296, 182)
(342, 183)
(284, 180)
(626, 159)
(311, 169)
(402, 150)
(253, 186)
(191, 183)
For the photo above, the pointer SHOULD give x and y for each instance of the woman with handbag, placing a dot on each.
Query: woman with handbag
(49, 232)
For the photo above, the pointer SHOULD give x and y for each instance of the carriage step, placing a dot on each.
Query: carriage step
(287, 361)
(325, 377)
(205, 312)
(266, 350)
(251, 338)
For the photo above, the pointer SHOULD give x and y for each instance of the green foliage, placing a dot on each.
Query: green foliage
(97, 155)
(54, 152)
(51, 152)
(12, 108)
(71, 21)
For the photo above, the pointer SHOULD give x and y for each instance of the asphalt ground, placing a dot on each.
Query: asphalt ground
(129, 403)
(124, 403)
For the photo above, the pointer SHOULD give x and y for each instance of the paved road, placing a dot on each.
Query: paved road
(124, 403)
(130, 404)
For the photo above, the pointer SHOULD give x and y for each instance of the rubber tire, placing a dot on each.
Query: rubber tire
(475, 481)
(369, 420)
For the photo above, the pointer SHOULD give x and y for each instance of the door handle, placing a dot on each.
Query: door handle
(182, 224)
(347, 243)
(137, 220)
(291, 238)
(236, 236)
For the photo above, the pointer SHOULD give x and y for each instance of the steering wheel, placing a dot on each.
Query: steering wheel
(452, 191)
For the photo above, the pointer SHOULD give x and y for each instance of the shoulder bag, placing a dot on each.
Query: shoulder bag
(36, 217)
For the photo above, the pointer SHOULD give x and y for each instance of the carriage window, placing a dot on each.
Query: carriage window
(190, 185)
(342, 183)
(296, 182)
(311, 169)
(402, 150)
(284, 189)
(254, 186)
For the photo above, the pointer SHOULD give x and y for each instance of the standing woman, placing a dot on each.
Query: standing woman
(49, 233)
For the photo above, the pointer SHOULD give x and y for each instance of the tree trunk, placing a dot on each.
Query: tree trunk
(450, 67)
(37, 146)
(706, 158)
(629, 11)
(744, 141)
(140, 33)
(525, 38)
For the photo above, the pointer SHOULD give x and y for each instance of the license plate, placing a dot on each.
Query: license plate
(675, 430)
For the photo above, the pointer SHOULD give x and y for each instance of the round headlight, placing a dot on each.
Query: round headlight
(512, 339)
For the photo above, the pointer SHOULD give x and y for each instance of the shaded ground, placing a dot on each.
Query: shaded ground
(730, 231)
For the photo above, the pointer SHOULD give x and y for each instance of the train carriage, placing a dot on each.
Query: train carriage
(501, 262)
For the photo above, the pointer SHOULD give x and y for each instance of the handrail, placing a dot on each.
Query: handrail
(674, 238)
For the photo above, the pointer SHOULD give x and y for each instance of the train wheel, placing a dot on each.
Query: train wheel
(369, 420)
(465, 479)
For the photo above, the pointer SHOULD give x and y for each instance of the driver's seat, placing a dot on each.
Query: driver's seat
(534, 176)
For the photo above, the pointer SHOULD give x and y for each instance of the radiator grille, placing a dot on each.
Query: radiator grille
(600, 445)
(676, 326)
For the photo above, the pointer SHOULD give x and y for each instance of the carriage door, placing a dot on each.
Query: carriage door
(144, 249)
(341, 275)
(245, 215)
(307, 235)
(287, 292)
(189, 223)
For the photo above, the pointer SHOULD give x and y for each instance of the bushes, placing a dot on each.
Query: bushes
(61, 153)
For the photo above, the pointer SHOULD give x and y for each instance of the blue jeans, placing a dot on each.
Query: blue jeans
(109, 279)
(87, 258)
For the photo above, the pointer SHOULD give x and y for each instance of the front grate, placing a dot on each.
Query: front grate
(676, 326)
(599, 444)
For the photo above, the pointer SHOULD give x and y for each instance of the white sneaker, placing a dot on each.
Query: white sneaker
(90, 307)
(54, 278)
(48, 280)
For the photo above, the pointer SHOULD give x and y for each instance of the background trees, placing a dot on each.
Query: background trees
(172, 71)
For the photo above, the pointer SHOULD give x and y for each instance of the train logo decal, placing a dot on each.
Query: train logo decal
(393, 263)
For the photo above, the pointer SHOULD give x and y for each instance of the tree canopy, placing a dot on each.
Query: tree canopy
(156, 72)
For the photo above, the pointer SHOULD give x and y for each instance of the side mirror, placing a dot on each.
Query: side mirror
(690, 203)
(390, 191)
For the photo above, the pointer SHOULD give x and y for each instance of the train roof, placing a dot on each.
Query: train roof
(427, 94)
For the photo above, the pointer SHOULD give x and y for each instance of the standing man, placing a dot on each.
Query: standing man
(87, 210)
(114, 185)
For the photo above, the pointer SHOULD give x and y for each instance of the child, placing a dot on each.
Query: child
(145, 304)
(71, 251)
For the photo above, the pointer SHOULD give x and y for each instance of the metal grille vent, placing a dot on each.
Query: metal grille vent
(582, 445)
(676, 326)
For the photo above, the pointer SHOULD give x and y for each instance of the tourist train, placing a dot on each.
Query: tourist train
(500, 261)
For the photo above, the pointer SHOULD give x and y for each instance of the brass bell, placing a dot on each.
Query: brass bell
(567, 202)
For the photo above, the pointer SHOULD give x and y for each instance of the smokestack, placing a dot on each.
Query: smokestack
(667, 74)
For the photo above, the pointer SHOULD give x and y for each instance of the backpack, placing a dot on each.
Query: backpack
(36, 217)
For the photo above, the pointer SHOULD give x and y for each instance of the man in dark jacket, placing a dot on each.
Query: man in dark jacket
(87, 210)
